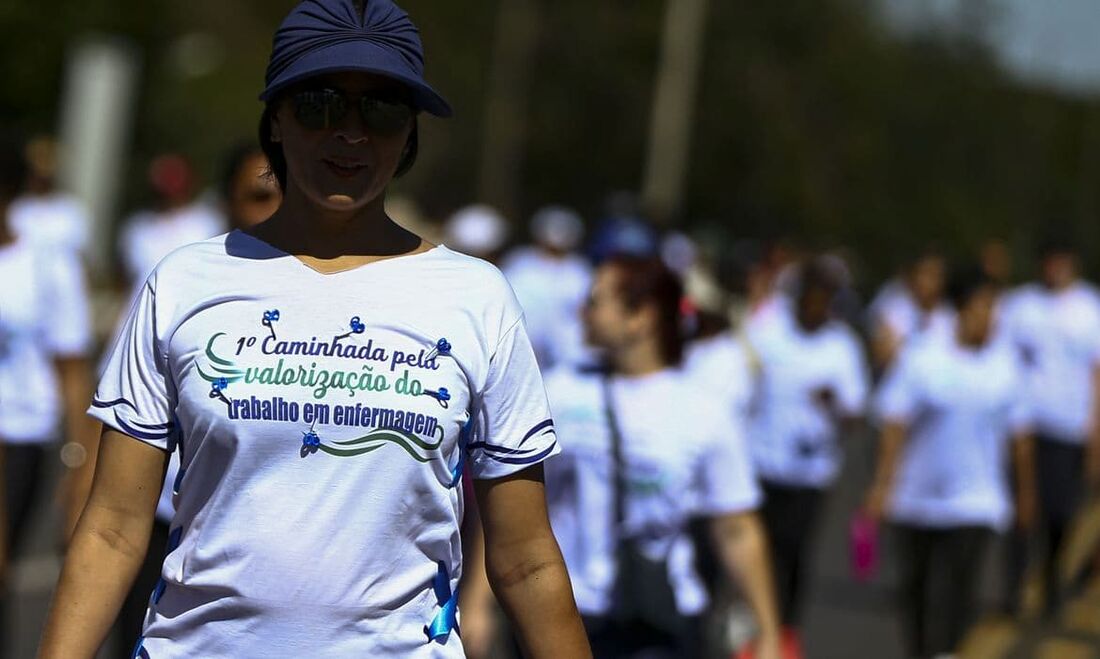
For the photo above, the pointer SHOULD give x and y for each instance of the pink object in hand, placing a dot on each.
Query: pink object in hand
(863, 535)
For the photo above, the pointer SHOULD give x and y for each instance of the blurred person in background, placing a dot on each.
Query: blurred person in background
(644, 452)
(177, 219)
(995, 261)
(812, 388)
(908, 306)
(296, 533)
(45, 340)
(623, 230)
(955, 412)
(477, 230)
(250, 193)
(43, 214)
(551, 282)
(1055, 325)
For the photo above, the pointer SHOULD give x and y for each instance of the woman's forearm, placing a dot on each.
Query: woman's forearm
(102, 562)
(532, 585)
(81, 441)
(743, 548)
(890, 446)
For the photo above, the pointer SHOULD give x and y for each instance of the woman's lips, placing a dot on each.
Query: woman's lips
(345, 168)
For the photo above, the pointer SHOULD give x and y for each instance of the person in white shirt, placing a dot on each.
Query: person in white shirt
(325, 378)
(44, 215)
(178, 219)
(551, 281)
(250, 195)
(954, 412)
(1054, 324)
(812, 386)
(644, 451)
(45, 338)
(909, 306)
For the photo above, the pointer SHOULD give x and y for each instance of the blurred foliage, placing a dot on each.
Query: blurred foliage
(813, 120)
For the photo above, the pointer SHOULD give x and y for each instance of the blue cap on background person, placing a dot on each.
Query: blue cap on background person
(373, 36)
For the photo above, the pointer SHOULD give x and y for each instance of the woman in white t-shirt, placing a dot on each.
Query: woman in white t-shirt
(45, 337)
(325, 378)
(954, 413)
(812, 385)
(908, 307)
(249, 195)
(645, 451)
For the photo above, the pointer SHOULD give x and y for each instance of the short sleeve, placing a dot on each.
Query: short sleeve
(726, 482)
(132, 396)
(512, 428)
(67, 325)
(897, 395)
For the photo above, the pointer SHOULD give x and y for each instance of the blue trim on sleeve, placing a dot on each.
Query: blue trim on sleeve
(548, 423)
(528, 459)
(104, 404)
(140, 434)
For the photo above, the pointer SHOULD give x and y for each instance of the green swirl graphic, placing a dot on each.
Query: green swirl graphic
(376, 439)
(221, 368)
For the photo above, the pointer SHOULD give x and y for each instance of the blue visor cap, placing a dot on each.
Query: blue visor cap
(327, 36)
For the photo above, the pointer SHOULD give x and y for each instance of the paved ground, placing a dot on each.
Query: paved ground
(844, 620)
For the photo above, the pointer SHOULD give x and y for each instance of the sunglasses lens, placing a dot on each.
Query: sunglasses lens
(317, 109)
(385, 117)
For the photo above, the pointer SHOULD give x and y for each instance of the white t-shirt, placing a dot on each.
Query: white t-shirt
(792, 435)
(147, 236)
(684, 459)
(961, 407)
(52, 221)
(1057, 334)
(43, 315)
(722, 363)
(551, 291)
(320, 497)
(895, 308)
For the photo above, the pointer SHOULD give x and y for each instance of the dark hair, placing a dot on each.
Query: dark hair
(923, 255)
(647, 280)
(817, 275)
(274, 151)
(13, 167)
(1057, 240)
(235, 159)
(966, 282)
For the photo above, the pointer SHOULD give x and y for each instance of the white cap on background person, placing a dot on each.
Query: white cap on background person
(477, 230)
(557, 227)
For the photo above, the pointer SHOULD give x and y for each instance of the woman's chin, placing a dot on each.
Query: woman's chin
(343, 202)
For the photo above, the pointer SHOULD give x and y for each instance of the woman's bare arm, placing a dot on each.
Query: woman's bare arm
(81, 439)
(743, 548)
(526, 569)
(890, 446)
(107, 548)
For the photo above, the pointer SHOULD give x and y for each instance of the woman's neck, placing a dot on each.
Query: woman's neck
(637, 359)
(305, 229)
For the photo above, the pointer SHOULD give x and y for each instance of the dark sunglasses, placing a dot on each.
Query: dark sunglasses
(317, 109)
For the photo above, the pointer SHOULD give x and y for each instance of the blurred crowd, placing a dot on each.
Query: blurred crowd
(984, 392)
